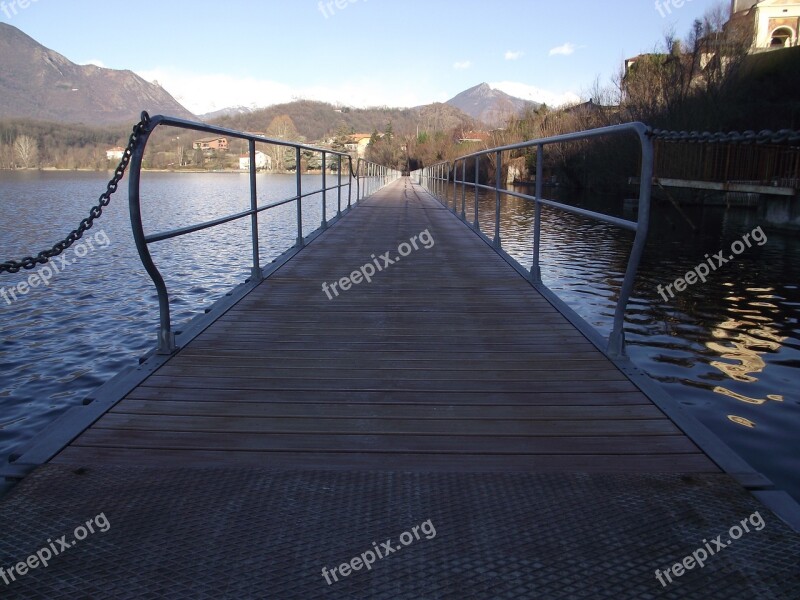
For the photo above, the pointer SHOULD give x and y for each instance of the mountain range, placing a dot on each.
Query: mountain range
(490, 106)
(40, 84)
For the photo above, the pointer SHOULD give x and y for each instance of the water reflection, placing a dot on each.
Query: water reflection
(745, 345)
(742, 398)
(745, 340)
(742, 421)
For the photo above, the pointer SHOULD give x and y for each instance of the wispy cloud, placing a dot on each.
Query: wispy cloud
(462, 64)
(207, 92)
(564, 49)
(512, 55)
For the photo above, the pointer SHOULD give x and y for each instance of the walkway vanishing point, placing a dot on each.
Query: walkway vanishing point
(297, 432)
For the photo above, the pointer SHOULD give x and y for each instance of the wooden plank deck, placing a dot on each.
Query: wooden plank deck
(448, 361)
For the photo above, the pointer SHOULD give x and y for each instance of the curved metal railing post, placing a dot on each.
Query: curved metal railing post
(255, 273)
(536, 269)
(616, 341)
(299, 188)
(451, 172)
(443, 185)
(464, 190)
(358, 180)
(166, 337)
(476, 223)
(350, 187)
(339, 187)
(324, 224)
(439, 184)
(498, 184)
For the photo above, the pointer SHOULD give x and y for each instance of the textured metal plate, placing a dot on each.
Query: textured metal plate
(250, 533)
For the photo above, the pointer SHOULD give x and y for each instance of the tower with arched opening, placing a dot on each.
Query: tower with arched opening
(775, 23)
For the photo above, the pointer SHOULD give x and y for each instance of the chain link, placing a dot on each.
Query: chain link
(783, 136)
(29, 262)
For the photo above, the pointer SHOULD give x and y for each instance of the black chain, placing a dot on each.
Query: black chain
(29, 262)
(784, 136)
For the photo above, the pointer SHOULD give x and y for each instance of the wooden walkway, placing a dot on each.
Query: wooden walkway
(448, 361)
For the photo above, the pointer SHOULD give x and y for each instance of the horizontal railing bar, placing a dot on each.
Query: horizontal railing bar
(622, 223)
(636, 127)
(176, 122)
(488, 188)
(309, 194)
(335, 187)
(160, 237)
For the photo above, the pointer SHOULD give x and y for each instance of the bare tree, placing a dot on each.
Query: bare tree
(726, 46)
(6, 158)
(26, 151)
(282, 127)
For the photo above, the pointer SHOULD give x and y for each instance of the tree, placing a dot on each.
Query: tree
(26, 152)
(724, 49)
(374, 138)
(198, 159)
(342, 138)
(6, 158)
(282, 128)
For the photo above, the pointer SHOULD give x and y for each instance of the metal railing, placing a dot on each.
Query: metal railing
(438, 177)
(369, 178)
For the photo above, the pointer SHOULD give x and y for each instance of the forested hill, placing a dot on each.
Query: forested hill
(318, 120)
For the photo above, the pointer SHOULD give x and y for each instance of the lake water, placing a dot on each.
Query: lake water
(729, 349)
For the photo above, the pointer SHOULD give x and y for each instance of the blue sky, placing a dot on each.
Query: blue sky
(214, 54)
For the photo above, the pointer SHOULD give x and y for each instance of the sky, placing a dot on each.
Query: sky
(215, 54)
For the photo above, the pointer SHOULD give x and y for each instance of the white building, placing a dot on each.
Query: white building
(775, 23)
(358, 143)
(263, 162)
(115, 153)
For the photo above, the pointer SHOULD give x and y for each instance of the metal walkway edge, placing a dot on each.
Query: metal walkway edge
(299, 426)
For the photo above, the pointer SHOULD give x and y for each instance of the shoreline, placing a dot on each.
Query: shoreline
(223, 171)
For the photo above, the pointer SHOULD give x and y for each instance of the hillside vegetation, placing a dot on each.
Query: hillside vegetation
(317, 121)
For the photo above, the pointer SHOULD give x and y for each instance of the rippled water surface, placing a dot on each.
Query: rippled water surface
(728, 349)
